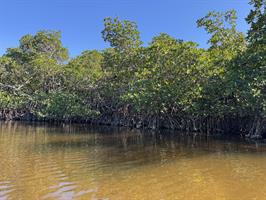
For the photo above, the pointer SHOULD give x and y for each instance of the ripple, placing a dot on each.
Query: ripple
(6, 187)
(43, 164)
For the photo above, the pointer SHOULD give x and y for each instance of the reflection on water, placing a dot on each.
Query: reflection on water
(74, 162)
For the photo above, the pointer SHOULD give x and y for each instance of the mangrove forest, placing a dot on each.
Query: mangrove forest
(169, 83)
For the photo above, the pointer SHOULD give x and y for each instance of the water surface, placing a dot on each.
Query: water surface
(75, 162)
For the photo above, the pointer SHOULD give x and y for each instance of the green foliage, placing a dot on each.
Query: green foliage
(122, 35)
(11, 102)
(168, 77)
(64, 105)
(45, 43)
(82, 72)
(257, 21)
(226, 45)
(247, 73)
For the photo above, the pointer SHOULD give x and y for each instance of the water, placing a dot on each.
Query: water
(73, 162)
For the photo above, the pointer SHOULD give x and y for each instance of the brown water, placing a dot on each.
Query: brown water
(71, 162)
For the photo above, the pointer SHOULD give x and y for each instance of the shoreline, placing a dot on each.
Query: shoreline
(244, 127)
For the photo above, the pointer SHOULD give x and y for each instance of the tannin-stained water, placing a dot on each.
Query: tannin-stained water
(75, 162)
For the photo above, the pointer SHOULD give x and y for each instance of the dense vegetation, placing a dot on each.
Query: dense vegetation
(170, 83)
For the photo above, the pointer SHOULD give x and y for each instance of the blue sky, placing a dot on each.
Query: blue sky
(81, 21)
